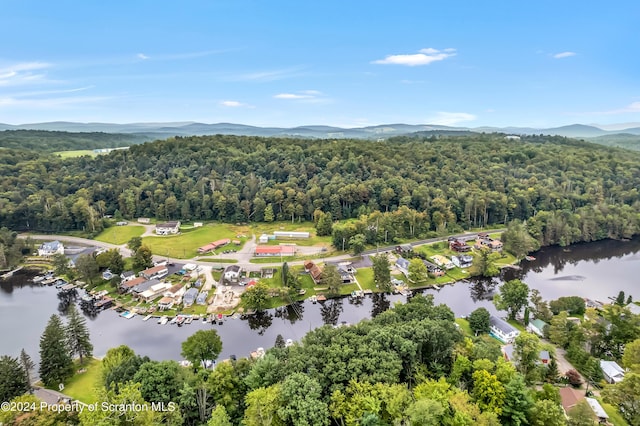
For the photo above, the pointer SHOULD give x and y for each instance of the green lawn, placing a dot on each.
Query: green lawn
(517, 325)
(82, 386)
(464, 326)
(120, 234)
(268, 228)
(365, 278)
(274, 259)
(185, 245)
(78, 153)
(614, 416)
(217, 260)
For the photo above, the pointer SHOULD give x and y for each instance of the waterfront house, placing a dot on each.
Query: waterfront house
(175, 292)
(154, 292)
(126, 286)
(51, 248)
(612, 372)
(502, 330)
(142, 287)
(232, 273)
(403, 266)
(189, 297)
(462, 261)
(127, 276)
(442, 261)
(433, 269)
(202, 298)
(537, 327)
(168, 228)
(314, 271)
(159, 271)
(165, 303)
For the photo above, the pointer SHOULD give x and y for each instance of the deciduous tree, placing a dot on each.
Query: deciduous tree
(417, 270)
(479, 320)
(201, 346)
(513, 296)
(381, 272)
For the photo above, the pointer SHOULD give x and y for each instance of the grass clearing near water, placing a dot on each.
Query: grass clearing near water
(120, 234)
(82, 386)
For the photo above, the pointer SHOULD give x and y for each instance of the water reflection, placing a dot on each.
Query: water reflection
(291, 313)
(380, 304)
(482, 289)
(260, 321)
(331, 310)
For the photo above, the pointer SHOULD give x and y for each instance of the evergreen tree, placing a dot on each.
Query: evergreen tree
(13, 380)
(620, 298)
(280, 343)
(77, 332)
(381, 272)
(27, 364)
(285, 274)
(55, 363)
(552, 371)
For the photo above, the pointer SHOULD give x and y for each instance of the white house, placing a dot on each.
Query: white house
(168, 228)
(462, 261)
(127, 276)
(502, 330)
(264, 239)
(51, 248)
(154, 292)
(613, 373)
(537, 326)
(159, 271)
(232, 273)
(403, 266)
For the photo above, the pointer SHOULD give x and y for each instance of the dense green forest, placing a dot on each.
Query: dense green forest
(47, 141)
(621, 140)
(571, 190)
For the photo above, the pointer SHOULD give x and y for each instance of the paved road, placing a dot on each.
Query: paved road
(245, 254)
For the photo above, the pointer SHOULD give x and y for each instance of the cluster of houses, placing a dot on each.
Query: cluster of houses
(346, 270)
(484, 241)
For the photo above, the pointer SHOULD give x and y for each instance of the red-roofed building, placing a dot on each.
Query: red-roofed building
(275, 250)
(213, 245)
(313, 270)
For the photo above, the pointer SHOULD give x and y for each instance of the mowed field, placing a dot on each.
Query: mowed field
(185, 245)
(120, 234)
(78, 153)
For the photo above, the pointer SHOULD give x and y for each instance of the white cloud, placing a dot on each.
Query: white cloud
(564, 55)
(291, 96)
(450, 118)
(235, 104)
(424, 57)
(262, 76)
(50, 102)
(142, 56)
(22, 73)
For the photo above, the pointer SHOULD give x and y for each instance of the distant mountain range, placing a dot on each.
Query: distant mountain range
(163, 130)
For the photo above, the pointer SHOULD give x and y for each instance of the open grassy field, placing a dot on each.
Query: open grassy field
(78, 153)
(120, 234)
(268, 228)
(185, 245)
(365, 278)
(614, 416)
(82, 385)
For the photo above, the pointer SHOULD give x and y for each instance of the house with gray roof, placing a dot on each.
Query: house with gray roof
(50, 248)
(190, 297)
(403, 266)
(502, 330)
(613, 373)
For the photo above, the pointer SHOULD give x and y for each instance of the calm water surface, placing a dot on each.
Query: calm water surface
(595, 270)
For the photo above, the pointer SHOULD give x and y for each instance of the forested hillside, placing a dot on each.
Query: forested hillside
(577, 191)
(46, 141)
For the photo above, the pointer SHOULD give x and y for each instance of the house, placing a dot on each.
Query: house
(189, 297)
(346, 273)
(282, 250)
(544, 357)
(442, 261)
(202, 298)
(167, 228)
(267, 272)
(602, 415)
(162, 262)
(486, 242)
(404, 248)
(462, 261)
(313, 270)
(127, 276)
(165, 303)
(433, 269)
(213, 245)
(290, 235)
(264, 239)
(569, 398)
(232, 273)
(175, 292)
(403, 266)
(159, 271)
(502, 330)
(613, 373)
(154, 292)
(142, 287)
(459, 245)
(51, 248)
(144, 220)
(126, 286)
(537, 327)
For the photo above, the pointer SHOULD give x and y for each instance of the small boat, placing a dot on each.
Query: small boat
(288, 343)
(127, 315)
(321, 298)
(147, 318)
(173, 320)
(163, 320)
(220, 319)
(188, 320)
(302, 292)
(530, 258)
(314, 299)
(436, 287)
(38, 279)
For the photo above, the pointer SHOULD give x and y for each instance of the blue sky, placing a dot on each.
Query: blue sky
(344, 63)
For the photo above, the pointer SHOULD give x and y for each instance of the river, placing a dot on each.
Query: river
(595, 270)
